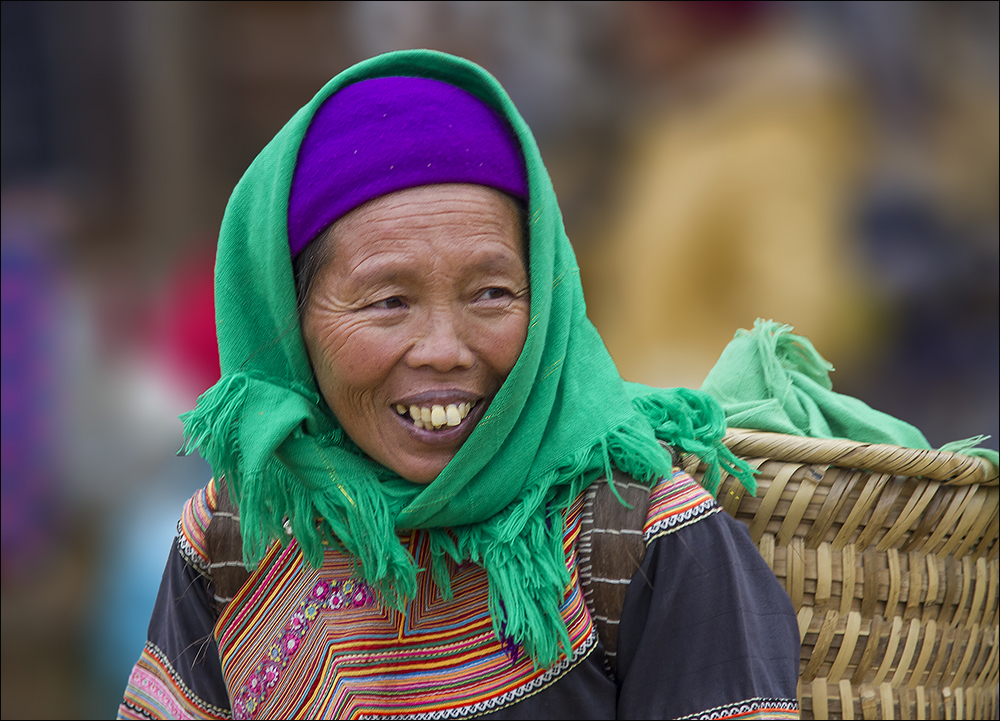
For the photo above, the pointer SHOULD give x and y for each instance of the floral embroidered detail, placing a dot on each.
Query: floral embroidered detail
(326, 594)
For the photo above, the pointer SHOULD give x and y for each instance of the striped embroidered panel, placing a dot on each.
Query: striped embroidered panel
(193, 524)
(315, 643)
(772, 709)
(676, 502)
(156, 691)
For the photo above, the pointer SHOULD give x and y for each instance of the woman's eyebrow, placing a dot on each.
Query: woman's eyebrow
(387, 270)
(498, 263)
(379, 272)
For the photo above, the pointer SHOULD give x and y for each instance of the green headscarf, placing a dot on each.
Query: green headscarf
(560, 421)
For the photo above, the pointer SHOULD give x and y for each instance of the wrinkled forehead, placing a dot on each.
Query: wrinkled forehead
(435, 214)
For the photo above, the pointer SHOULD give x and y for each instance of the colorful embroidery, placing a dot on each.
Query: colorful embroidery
(193, 524)
(533, 686)
(332, 595)
(754, 708)
(155, 690)
(352, 658)
(676, 502)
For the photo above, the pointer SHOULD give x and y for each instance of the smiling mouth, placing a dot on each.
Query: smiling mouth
(436, 417)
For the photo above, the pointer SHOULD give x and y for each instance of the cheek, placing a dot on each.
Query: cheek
(348, 360)
(502, 343)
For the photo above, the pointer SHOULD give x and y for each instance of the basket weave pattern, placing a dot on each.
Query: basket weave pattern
(890, 558)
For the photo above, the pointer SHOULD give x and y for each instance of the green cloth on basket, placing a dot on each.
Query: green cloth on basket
(559, 422)
(770, 379)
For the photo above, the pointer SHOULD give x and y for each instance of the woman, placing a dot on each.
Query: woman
(413, 404)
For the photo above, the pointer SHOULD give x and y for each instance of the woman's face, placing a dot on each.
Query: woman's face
(416, 318)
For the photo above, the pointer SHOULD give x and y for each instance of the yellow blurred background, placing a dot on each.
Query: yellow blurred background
(833, 166)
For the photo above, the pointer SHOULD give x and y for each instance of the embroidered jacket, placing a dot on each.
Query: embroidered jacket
(705, 632)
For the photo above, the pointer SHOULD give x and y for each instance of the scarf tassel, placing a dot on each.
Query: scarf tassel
(522, 548)
(276, 503)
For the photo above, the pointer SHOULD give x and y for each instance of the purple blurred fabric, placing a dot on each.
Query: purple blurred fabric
(29, 410)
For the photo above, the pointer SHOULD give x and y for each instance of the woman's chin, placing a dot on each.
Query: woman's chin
(421, 468)
(419, 454)
(424, 453)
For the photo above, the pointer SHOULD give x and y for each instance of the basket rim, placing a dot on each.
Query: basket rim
(951, 468)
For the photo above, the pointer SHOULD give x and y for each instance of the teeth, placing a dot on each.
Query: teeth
(436, 416)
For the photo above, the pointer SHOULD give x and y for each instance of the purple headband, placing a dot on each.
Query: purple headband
(387, 134)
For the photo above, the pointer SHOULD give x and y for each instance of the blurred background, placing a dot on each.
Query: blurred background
(833, 166)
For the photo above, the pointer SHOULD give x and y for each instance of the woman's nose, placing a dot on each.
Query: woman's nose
(440, 344)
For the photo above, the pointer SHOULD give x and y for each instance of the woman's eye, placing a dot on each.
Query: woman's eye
(388, 303)
(494, 293)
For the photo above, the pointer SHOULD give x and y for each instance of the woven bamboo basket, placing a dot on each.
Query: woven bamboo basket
(890, 558)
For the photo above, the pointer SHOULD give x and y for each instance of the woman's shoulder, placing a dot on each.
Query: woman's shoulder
(627, 513)
(676, 502)
(619, 521)
(196, 516)
(209, 539)
(705, 591)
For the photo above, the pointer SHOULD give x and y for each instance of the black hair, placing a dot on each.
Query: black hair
(307, 264)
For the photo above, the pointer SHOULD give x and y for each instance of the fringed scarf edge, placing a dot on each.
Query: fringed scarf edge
(357, 515)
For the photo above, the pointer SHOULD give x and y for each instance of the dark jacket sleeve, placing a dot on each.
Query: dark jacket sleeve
(707, 628)
(179, 670)
(181, 625)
